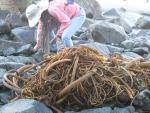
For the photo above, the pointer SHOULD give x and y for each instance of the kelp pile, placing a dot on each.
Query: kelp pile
(79, 77)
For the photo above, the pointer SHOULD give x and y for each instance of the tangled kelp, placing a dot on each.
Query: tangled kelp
(81, 77)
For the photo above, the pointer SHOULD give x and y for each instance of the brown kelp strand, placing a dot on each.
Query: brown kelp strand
(79, 77)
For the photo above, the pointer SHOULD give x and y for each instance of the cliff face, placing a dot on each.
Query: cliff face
(92, 7)
(14, 5)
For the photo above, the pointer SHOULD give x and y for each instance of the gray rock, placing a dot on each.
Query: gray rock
(114, 49)
(130, 55)
(141, 50)
(9, 51)
(143, 99)
(129, 109)
(140, 32)
(131, 18)
(2, 72)
(21, 59)
(93, 8)
(4, 37)
(128, 44)
(38, 55)
(97, 110)
(114, 12)
(143, 23)
(26, 50)
(4, 59)
(3, 14)
(121, 22)
(4, 27)
(24, 34)
(4, 44)
(25, 106)
(11, 65)
(101, 48)
(105, 32)
(4, 97)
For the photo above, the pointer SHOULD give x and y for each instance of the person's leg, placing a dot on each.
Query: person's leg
(75, 24)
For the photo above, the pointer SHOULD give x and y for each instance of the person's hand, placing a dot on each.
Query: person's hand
(36, 47)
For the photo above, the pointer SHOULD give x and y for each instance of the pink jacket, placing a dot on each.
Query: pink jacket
(62, 12)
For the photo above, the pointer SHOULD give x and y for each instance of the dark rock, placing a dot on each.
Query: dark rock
(4, 27)
(143, 23)
(25, 106)
(38, 55)
(9, 51)
(141, 50)
(114, 49)
(105, 32)
(24, 34)
(130, 55)
(3, 14)
(86, 35)
(97, 110)
(4, 37)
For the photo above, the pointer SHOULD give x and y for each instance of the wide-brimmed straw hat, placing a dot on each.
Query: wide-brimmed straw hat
(34, 11)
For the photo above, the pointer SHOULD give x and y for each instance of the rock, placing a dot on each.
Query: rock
(4, 59)
(4, 97)
(2, 72)
(114, 12)
(105, 32)
(101, 48)
(88, 22)
(142, 100)
(21, 59)
(14, 19)
(4, 37)
(4, 27)
(86, 35)
(140, 32)
(24, 34)
(97, 110)
(143, 23)
(131, 18)
(128, 44)
(26, 50)
(141, 50)
(114, 49)
(4, 44)
(92, 8)
(38, 55)
(11, 65)
(129, 109)
(9, 51)
(25, 106)
(130, 55)
(121, 22)
(3, 14)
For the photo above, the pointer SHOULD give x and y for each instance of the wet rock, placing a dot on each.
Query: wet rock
(101, 48)
(105, 32)
(141, 50)
(130, 55)
(24, 34)
(96, 110)
(25, 106)
(9, 51)
(4, 27)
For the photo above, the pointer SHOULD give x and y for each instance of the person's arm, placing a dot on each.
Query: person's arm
(61, 17)
(39, 31)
